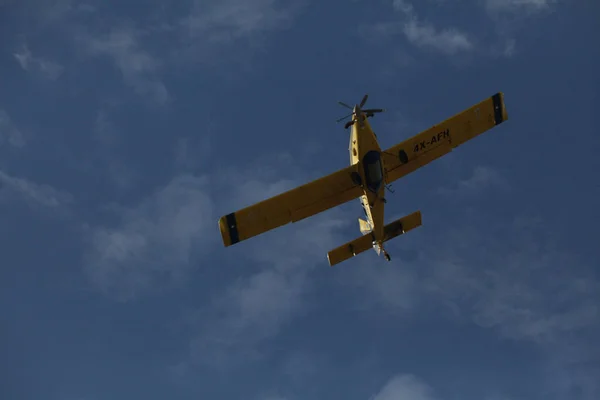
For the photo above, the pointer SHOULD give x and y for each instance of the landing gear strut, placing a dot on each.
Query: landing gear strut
(387, 256)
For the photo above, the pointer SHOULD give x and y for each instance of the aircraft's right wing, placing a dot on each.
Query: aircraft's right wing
(441, 139)
(292, 206)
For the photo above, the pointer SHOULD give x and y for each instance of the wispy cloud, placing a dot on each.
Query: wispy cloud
(516, 281)
(449, 41)
(249, 311)
(161, 36)
(152, 244)
(31, 63)
(193, 151)
(224, 21)
(33, 193)
(405, 387)
(9, 131)
(510, 17)
(506, 18)
(259, 303)
(482, 178)
(256, 307)
(504, 280)
(231, 31)
(108, 138)
(425, 35)
(518, 5)
(139, 68)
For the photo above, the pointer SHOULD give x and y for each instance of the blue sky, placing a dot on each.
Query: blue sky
(128, 128)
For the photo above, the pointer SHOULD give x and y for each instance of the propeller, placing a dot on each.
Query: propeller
(369, 112)
(363, 101)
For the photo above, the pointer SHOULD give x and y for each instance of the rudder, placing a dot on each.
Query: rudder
(364, 226)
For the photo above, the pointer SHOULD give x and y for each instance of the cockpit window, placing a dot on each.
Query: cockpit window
(373, 170)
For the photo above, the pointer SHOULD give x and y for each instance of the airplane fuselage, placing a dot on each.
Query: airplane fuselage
(365, 148)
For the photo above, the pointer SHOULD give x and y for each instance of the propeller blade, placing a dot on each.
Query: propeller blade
(364, 100)
(344, 104)
(374, 110)
(343, 118)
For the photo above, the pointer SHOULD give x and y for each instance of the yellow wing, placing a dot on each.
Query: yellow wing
(291, 206)
(441, 139)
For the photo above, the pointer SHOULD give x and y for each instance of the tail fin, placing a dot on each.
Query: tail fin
(365, 227)
(365, 242)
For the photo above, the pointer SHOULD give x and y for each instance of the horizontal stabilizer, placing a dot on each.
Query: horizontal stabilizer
(364, 243)
(350, 249)
(402, 225)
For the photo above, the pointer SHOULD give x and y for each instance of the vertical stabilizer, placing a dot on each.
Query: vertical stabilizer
(364, 226)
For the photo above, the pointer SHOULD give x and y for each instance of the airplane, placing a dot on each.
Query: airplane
(371, 171)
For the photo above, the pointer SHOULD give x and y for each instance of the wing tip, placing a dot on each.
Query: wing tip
(500, 114)
(228, 228)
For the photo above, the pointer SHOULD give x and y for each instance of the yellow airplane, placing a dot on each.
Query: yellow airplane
(371, 170)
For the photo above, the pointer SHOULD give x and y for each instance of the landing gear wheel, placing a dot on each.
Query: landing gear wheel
(387, 257)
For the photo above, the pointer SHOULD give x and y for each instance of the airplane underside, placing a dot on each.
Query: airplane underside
(371, 169)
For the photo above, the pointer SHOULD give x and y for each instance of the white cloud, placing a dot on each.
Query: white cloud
(258, 305)
(545, 313)
(396, 288)
(425, 35)
(247, 312)
(107, 136)
(511, 18)
(404, 6)
(508, 48)
(152, 244)
(448, 41)
(405, 387)
(514, 280)
(28, 62)
(227, 20)
(482, 178)
(410, 387)
(9, 131)
(274, 398)
(508, 16)
(33, 193)
(303, 366)
(193, 151)
(104, 130)
(196, 36)
(275, 280)
(138, 67)
(180, 37)
(497, 397)
(216, 32)
(501, 274)
(519, 5)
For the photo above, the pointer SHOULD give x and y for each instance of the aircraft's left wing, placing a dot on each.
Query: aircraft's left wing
(291, 206)
(441, 139)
